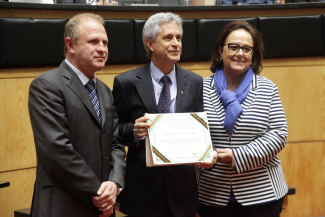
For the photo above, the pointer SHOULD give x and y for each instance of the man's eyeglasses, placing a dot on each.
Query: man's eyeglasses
(234, 48)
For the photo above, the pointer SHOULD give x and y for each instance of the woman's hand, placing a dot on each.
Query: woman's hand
(208, 164)
(225, 155)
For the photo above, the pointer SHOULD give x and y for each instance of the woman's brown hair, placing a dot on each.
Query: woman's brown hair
(258, 50)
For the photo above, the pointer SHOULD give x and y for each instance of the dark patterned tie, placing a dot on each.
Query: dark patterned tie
(90, 86)
(164, 99)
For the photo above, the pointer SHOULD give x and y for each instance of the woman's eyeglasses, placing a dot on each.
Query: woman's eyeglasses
(234, 48)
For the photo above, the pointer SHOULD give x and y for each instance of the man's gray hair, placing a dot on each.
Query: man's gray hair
(152, 27)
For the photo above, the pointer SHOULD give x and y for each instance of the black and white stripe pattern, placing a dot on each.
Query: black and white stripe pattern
(260, 133)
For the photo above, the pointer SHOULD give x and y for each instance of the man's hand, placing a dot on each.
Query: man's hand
(208, 164)
(225, 155)
(141, 126)
(106, 197)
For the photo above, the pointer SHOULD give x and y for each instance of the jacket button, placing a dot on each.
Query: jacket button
(104, 134)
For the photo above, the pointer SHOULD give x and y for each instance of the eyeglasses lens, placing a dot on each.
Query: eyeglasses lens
(235, 48)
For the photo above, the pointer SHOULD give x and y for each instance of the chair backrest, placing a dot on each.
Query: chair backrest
(42, 44)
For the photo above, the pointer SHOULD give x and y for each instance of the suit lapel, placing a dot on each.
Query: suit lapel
(76, 86)
(145, 88)
(183, 85)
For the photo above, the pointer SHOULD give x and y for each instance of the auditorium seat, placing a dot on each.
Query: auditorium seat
(298, 36)
(121, 41)
(42, 44)
(31, 42)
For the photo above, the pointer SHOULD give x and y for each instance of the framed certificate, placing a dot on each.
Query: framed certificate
(178, 138)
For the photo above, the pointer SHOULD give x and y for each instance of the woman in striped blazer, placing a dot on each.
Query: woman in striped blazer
(248, 128)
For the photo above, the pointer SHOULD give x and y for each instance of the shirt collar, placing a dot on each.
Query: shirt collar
(83, 78)
(157, 74)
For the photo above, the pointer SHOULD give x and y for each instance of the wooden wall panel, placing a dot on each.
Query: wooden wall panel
(33, 72)
(294, 62)
(107, 79)
(17, 143)
(117, 69)
(301, 91)
(304, 165)
(204, 73)
(20, 192)
(23, 73)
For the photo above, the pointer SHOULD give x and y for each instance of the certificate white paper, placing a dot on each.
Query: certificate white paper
(178, 138)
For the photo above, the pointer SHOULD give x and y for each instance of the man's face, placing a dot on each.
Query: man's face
(90, 50)
(167, 47)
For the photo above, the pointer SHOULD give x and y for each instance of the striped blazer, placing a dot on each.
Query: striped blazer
(260, 133)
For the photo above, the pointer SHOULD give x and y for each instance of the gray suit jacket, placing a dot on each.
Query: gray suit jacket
(75, 153)
(148, 191)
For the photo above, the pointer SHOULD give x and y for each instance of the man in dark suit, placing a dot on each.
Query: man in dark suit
(156, 191)
(80, 163)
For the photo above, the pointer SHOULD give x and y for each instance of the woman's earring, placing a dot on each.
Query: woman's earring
(251, 63)
(220, 58)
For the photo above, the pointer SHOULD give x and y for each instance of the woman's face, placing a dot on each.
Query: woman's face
(236, 63)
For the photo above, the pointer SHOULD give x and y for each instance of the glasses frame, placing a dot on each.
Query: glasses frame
(240, 48)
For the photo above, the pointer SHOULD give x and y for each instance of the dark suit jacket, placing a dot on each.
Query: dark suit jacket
(148, 191)
(75, 153)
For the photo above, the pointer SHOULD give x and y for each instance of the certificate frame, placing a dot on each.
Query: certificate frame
(178, 138)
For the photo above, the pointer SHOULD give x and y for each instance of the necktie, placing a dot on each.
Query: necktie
(90, 86)
(164, 99)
